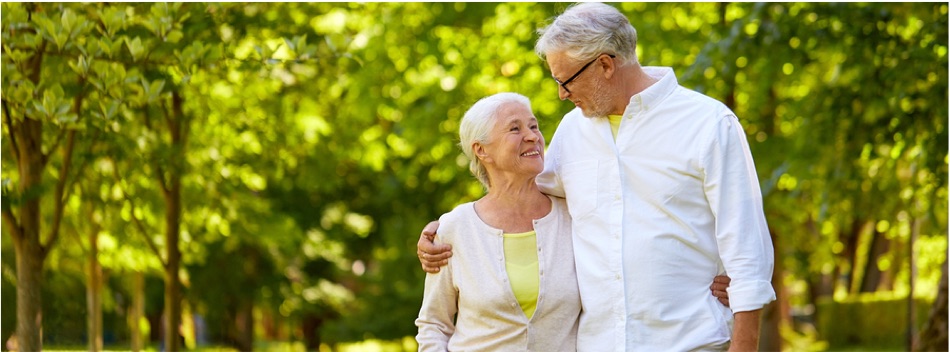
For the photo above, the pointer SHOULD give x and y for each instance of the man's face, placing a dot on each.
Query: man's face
(582, 83)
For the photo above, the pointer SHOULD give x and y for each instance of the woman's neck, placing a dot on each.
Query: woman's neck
(513, 207)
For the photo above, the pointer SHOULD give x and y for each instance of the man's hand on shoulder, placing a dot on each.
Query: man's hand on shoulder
(432, 256)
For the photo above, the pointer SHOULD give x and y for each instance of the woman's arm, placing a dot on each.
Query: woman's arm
(437, 315)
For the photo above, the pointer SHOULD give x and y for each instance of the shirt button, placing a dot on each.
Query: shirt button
(618, 277)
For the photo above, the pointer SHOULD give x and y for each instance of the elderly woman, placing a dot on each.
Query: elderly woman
(511, 279)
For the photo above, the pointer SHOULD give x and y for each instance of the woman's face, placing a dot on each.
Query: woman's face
(515, 144)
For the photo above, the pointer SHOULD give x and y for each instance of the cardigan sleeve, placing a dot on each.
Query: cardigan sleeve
(436, 319)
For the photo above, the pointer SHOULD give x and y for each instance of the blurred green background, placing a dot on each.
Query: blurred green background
(261, 172)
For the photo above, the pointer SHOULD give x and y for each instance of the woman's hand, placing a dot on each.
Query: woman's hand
(718, 288)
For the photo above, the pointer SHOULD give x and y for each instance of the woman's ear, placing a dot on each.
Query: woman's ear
(480, 152)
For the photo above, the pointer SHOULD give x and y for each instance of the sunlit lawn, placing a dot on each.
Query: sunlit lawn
(406, 344)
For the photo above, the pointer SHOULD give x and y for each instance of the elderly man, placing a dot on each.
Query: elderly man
(663, 193)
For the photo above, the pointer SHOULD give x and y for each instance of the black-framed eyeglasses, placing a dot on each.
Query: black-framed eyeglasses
(569, 80)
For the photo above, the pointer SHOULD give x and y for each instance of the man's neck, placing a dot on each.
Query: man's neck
(632, 81)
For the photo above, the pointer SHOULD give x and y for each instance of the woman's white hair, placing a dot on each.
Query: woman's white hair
(586, 30)
(478, 122)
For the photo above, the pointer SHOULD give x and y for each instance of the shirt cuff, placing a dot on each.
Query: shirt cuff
(749, 295)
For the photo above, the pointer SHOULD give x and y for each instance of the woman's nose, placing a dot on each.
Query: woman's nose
(531, 136)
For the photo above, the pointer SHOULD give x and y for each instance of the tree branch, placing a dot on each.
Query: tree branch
(135, 220)
(68, 151)
(182, 125)
(177, 125)
(36, 63)
(13, 225)
(60, 200)
(152, 62)
(77, 106)
(169, 117)
(9, 122)
(158, 166)
(81, 167)
(44, 158)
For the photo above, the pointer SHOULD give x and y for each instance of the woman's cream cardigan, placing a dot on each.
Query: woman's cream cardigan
(475, 285)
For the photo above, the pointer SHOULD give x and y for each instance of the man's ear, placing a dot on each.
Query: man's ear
(609, 64)
(480, 152)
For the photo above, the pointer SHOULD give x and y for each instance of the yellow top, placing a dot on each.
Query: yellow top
(521, 263)
(614, 124)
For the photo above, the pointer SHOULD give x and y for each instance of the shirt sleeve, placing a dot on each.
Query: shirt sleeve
(436, 319)
(742, 234)
(549, 181)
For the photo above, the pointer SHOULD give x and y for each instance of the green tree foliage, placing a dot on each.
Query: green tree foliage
(279, 159)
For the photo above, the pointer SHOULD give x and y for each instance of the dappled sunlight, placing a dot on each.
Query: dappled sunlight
(271, 165)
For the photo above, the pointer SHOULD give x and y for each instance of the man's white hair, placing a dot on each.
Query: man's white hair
(586, 30)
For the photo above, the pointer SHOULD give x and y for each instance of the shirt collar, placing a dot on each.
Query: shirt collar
(654, 94)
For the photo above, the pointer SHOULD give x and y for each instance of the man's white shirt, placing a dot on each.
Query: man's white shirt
(659, 212)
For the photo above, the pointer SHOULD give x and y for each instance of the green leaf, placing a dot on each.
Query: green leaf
(66, 119)
(69, 20)
(213, 53)
(174, 36)
(106, 45)
(22, 91)
(16, 56)
(109, 108)
(45, 25)
(135, 48)
(289, 44)
(113, 19)
(39, 107)
(80, 65)
(156, 88)
(152, 90)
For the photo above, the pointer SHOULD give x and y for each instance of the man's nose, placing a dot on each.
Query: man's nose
(562, 93)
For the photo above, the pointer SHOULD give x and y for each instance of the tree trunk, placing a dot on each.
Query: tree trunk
(852, 239)
(94, 294)
(772, 315)
(30, 253)
(137, 311)
(172, 282)
(178, 130)
(26, 140)
(933, 336)
(29, 285)
(911, 304)
(872, 273)
(311, 331)
(270, 325)
(244, 325)
(819, 285)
